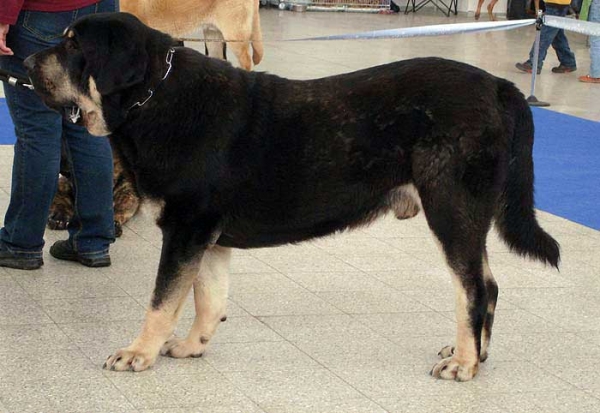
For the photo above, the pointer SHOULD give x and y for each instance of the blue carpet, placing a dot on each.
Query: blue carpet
(7, 131)
(567, 171)
(566, 155)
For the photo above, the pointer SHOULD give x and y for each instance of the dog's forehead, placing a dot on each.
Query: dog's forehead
(69, 33)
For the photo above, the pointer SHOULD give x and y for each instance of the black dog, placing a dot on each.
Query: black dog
(244, 160)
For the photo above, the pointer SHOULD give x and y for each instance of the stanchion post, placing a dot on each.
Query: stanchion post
(532, 100)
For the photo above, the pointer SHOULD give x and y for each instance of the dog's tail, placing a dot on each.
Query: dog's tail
(257, 46)
(515, 217)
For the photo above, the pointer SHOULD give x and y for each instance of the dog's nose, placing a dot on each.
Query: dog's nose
(29, 63)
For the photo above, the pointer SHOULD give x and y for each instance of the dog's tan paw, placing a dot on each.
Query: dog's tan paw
(129, 359)
(183, 347)
(451, 369)
(446, 352)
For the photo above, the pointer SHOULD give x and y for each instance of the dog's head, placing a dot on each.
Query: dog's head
(102, 60)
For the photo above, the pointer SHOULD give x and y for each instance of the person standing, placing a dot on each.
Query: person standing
(551, 36)
(26, 27)
(593, 16)
(490, 9)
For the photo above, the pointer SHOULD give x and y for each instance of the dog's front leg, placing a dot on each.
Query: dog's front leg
(210, 298)
(179, 264)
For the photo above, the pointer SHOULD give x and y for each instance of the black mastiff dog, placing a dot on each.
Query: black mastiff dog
(247, 160)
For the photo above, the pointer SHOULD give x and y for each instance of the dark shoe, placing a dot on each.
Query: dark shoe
(527, 68)
(563, 69)
(63, 250)
(12, 260)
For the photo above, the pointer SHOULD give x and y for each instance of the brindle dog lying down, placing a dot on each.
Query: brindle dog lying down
(126, 200)
(245, 160)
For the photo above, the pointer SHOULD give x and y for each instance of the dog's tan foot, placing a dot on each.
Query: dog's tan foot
(451, 369)
(184, 347)
(129, 359)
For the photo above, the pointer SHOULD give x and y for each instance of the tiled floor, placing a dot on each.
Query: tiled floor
(350, 324)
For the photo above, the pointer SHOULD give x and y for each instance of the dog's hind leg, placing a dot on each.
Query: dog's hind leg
(460, 222)
(182, 253)
(210, 297)
(492, 297)
(491, 288)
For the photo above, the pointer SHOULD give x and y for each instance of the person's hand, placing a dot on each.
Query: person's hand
(4, 50)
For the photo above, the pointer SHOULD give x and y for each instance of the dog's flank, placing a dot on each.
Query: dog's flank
(245, 160)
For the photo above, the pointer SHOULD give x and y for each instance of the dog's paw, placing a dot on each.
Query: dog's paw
(118, 229)
(451, 369)
(58, 221)
(446, 352)
(183, 347)
(129, 359)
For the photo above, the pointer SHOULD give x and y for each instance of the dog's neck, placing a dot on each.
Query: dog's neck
(152, 89)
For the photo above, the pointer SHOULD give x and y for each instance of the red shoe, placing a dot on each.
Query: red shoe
(588, 79)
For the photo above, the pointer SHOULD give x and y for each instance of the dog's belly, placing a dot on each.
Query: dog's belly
(261, 239)
(257, 232)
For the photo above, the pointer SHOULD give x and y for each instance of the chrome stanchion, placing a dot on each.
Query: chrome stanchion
(532, 100)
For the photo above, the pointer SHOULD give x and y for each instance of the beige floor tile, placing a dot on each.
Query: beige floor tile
(337, 281)
(91, 395)
(148, 391)
(467, 403)
(284, 303)
(27, 337)
(289, 388)
(310, 405)
(256, 357)
(544, 402)
(46, 364)
(369, 302)
(93, 309)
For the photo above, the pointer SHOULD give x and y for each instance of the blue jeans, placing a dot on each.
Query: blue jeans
(556, 38)
(594, 16)
(37, 151)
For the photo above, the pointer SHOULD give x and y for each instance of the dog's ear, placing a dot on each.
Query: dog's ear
(114, 52)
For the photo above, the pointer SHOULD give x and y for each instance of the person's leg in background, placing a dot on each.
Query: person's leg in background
(565, 55)
(594, 75)
(37, 154)
(36, 159)
(91, 230)
(547, 36)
